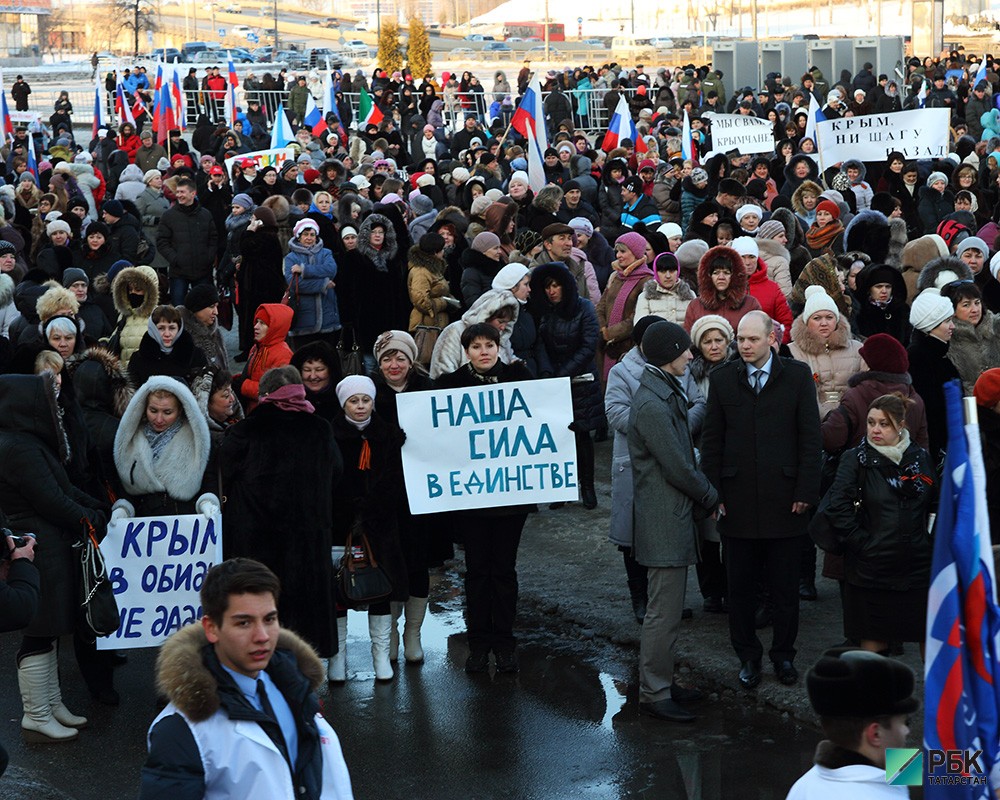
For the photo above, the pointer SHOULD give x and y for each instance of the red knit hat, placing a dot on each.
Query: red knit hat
(883, 353)
(987, 388)
(830, 207)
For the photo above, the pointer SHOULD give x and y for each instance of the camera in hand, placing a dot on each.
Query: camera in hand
(18, 542)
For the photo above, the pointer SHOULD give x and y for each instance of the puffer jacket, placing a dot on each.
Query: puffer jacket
(975, 348)
(133, 322)
(934, 206)
(428, 289)
(671, 305)
(130, 184)
(772, 300)
(886, 541)
(832, 363)
(269, 352)
(568, 334)
(316, 309)
(449, 354)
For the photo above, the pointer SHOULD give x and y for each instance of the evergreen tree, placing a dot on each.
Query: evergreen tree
(389, 57)
(418, 55)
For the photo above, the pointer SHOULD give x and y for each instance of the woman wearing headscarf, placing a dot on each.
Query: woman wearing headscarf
(310, 272)
(241, 214)
(38, 497)
(369, 496)
(278, 468)
(616, 308)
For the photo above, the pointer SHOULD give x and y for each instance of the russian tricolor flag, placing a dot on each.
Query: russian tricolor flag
(529, 121)
(815, 115)
(177, 97)
(314, 119)
(122, 109)
(231, 92)
(6, 123)
(620, 127)
(98, 111)
(32, 161)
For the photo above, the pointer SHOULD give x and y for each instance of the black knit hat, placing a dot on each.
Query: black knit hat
(431, 243)
(663, 342)
(859, 683)
(200, 297)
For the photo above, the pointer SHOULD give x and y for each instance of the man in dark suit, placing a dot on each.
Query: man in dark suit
(761, 449)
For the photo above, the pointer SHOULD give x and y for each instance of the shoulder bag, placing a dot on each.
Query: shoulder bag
(826, 537)
(99, 614)
(360, 579)
(351, 362)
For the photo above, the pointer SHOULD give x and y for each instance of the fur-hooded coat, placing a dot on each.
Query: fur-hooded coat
(182, 676)
(832, 362)
(737, 302)
(941, 271)
(806, 186)
(179, 469)
(449, 354)
(133, 321)
(975, 348)
(380, 258)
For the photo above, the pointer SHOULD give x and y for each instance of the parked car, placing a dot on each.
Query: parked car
(497, 47)
(232, 8)
(241, 55)
(168, 54)
(462, 52)
(215, 57)
(331, 22)
(539, 50)
(356, 47)
(594, 42)
(241, 30)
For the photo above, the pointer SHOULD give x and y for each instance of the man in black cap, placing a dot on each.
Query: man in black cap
(669, 494)
(19, 92)
(636, 206)
(863, 700)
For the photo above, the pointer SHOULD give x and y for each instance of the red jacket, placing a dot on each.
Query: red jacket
(130, 145)
(218, 86)
(771, 299)
(269, 352)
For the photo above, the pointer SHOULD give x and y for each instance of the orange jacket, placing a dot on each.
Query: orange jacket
(269, 352)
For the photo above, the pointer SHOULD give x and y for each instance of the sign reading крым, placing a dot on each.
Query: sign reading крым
(496, 445)
(156, 566)
(921, 133)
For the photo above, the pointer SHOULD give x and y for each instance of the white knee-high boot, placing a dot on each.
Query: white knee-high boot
(378, 629)
(397, 612)
(336, 668)
(416, 610)
(38, 724)
(62, 714)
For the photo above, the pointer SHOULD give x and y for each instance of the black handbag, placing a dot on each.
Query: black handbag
(99, 615)
(351, 362)
(360, 579)
(826, 537)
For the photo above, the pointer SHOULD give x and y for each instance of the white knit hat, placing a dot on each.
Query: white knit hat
(710, 322)
(995, 265)
(670, 230)
(348, 230)
(460, 174)
(510, 276)
(357, 384)
(360, 182)
(57, 225)
(749, 208)
(818, 300)
(425, 180)
(930, 309)
(521, 177)
(745, 246)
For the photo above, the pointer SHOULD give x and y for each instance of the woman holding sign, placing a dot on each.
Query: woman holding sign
(491, 535)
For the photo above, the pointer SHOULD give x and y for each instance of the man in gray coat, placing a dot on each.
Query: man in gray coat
(669, 493)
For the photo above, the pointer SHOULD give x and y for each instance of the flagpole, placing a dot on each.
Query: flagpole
(503, 138)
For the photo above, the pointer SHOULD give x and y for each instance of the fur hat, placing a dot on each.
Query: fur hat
(386, 343)
(818, 300)
(859, 683)
(711, 322)
(510, 276)
(987, 388)
(868, 232)
(635, 243)
(358, 384)
(431, 243)
(939, 271)
(883, 353)
(745, 246)
(930, 309)
(663, 342)
(731, 187)
(934, 177)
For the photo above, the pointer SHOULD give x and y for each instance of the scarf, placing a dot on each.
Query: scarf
(906, 481)
(490, 376)
(822, 238)
(314, 210)
(158, 441)
(639, 274)
(154, 334)
(290, 397)
(234, 221)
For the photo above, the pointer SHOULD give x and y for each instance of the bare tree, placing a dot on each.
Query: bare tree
(136, 16)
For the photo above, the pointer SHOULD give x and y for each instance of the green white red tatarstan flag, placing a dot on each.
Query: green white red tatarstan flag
(367, 111)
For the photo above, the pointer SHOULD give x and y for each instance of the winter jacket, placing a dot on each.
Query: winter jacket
(8, 311)
(278, 471)
(133, 322)
(428, 289)
(130, 184)
(187, 238)
(738, 301)
(671, 305)
(772, 300)
(37, 496)
(893, 318)
(930, 370)
(839, 773)
(886, 542)
(269, 352)
(146, 158)
(568, 336)
(934, 206)
(184, 361)
(777, 260)
(449, 354)
(691, 198)
(669, 489)
(478, 272)
(87, 182)
(169, 484)
(579, 267)
(832, 363)
(642, 210)
(152, 205)
(618, 339)
(207, 339)
(975, 348)
(315, 301)
(209, 742)
(846, 426)
(124, 239)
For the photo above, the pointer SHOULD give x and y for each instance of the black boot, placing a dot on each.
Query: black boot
(585, 462)
(637, 589)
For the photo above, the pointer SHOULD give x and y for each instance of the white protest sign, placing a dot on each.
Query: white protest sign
(497, 445)
(156, 566)
(746, 134)
(263, 158)
(918, 134)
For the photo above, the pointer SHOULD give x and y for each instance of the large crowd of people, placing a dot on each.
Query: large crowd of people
(755, 334)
